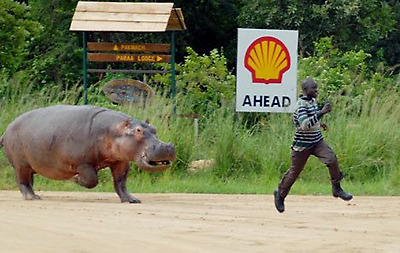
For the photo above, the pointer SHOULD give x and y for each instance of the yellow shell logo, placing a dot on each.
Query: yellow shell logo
(267, 58)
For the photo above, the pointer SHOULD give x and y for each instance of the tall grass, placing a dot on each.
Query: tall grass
(370, 141)
(248, 158)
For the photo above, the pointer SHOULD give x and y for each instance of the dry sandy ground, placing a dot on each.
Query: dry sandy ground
(97, 222)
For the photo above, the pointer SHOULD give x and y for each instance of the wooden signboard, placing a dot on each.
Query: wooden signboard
(127, 47)
(95, 16)
(102, 57)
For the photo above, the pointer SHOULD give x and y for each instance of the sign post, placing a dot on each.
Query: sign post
(132, 17)
(173, 83)
(129, 52)
(266, 70)
(85, 81)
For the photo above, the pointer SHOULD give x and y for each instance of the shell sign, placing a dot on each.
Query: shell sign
(267, 58)
(266, 70)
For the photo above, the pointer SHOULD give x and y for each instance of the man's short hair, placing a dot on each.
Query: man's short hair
(307, 82)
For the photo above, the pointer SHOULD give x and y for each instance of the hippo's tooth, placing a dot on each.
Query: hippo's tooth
(159, 163)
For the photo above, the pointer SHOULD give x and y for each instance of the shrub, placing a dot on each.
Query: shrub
(204, 83)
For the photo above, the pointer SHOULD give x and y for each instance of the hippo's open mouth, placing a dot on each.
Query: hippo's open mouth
(153, 165)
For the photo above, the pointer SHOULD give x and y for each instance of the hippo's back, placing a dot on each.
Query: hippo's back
(55, 137)
(62, 121)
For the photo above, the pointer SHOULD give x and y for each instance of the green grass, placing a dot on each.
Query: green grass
(203, 184)
(248, 159)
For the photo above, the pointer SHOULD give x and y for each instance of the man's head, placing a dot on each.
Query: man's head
(310, 88)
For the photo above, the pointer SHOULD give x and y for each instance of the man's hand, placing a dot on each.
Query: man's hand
(326, 109)
(324, 126)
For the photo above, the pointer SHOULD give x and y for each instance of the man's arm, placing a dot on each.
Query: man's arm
(326, 109)
(307, 122)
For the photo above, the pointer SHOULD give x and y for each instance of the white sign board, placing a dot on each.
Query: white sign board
(266, 70)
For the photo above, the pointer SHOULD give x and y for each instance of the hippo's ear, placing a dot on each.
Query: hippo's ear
(128, 129)
(127, 123)
(148, 121)
(124, 127)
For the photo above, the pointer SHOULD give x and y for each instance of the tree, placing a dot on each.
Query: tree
(212, 24)
(204, 83)
(18, 31)
(55, 56)
(353, 24)
(388, 49)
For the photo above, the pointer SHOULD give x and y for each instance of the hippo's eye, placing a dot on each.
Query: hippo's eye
(139, 132)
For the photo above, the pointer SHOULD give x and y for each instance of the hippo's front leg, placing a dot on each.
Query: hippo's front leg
(120, 173)
(87, 176)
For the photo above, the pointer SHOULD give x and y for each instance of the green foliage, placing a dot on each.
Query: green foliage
(203, 82)
(41, 65)
(236, 149)
(246, 160)
(273, 15)
(18, 30)
(387, 49)
(353, 25)
(56, 56)
(211, 24)
(343, 73)
(182, 135)
(36, 38)
(371, 140)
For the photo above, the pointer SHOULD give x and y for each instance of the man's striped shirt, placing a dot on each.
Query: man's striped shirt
(306, 119)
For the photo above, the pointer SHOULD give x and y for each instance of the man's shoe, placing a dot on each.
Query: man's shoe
(339, 193)
(337, 190)
(280, 206)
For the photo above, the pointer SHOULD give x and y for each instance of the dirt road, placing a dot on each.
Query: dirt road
(96, 222)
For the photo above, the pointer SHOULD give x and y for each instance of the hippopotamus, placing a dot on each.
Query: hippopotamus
(67, 142)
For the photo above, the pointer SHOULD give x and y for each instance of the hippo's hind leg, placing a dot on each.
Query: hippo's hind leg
(25, 183)
(87, 176)
(120, 173)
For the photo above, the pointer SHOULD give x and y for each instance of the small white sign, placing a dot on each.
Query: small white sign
(266, 70)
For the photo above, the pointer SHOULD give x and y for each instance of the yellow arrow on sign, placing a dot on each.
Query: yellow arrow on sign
(115, 48)
(159, 58)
